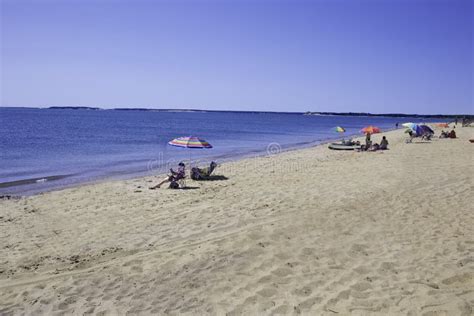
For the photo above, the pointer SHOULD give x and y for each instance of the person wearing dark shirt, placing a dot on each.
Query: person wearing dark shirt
(384, 143)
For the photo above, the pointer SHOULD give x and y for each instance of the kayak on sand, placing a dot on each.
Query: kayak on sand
(344, 146)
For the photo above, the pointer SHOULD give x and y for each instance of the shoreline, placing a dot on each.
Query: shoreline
(123, 176)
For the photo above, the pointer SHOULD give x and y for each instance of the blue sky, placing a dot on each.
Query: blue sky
(361, 56)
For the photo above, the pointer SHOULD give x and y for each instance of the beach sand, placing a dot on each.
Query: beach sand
(312, 232)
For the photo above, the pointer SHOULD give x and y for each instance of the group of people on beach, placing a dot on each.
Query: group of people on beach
(176, 178)
(374, 147)
(451, 134)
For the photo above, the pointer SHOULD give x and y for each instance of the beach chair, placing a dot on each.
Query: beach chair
(203, 174)
(182, 183)
(178, 179)
(178, 183)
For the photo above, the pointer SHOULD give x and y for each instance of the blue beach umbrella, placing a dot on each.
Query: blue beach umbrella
(423, 130)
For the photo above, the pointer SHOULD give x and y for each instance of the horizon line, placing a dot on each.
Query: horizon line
(54, 107)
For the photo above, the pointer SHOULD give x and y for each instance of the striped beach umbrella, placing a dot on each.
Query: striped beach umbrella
(190, 142)
(339, 129)
(370, 130)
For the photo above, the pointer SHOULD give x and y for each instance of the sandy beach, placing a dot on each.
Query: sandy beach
(311, 232)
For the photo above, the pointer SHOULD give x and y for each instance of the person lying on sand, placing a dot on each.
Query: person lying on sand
(374, 147)
(173, 177)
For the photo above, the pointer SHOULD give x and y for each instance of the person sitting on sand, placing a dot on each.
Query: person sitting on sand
(384, 143)
(443, 134)
(173, 177)
(452, 134)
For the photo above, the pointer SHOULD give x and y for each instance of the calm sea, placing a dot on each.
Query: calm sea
(45, 149)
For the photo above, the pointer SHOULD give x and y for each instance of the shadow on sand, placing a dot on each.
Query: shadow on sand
(188, 188)
(214, 178)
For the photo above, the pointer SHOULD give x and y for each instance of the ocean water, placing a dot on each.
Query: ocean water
(45, 149)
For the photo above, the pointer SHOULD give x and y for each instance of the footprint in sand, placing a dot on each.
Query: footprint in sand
(255, 236)
(283, 256)
(387, 267)
(282, 272)
(359, 249)
(281, 310)
(304, 291)
(267, 292)
(265, 279)
(308, 254)
(343, 295)
(460, 279)
(307, 304)
(465, 261)
(265, 305)
(361, 286)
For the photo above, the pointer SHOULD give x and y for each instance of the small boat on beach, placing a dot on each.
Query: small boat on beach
(344, 146)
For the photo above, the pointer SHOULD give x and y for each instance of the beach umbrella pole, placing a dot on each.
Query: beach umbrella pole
(190, 142)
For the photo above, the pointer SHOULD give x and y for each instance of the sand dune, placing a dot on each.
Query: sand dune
(310, 232)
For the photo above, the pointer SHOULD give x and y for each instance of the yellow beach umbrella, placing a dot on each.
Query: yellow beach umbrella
(340, 129)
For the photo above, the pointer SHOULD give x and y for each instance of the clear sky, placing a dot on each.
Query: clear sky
(343, 55)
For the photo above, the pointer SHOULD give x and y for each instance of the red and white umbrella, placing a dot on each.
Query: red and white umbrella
(370, 130)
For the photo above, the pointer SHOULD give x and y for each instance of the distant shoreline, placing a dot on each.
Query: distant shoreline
(308, 113)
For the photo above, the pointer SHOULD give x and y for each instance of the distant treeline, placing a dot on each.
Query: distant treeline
(73, 108)
(163, 110)
(440, 116)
